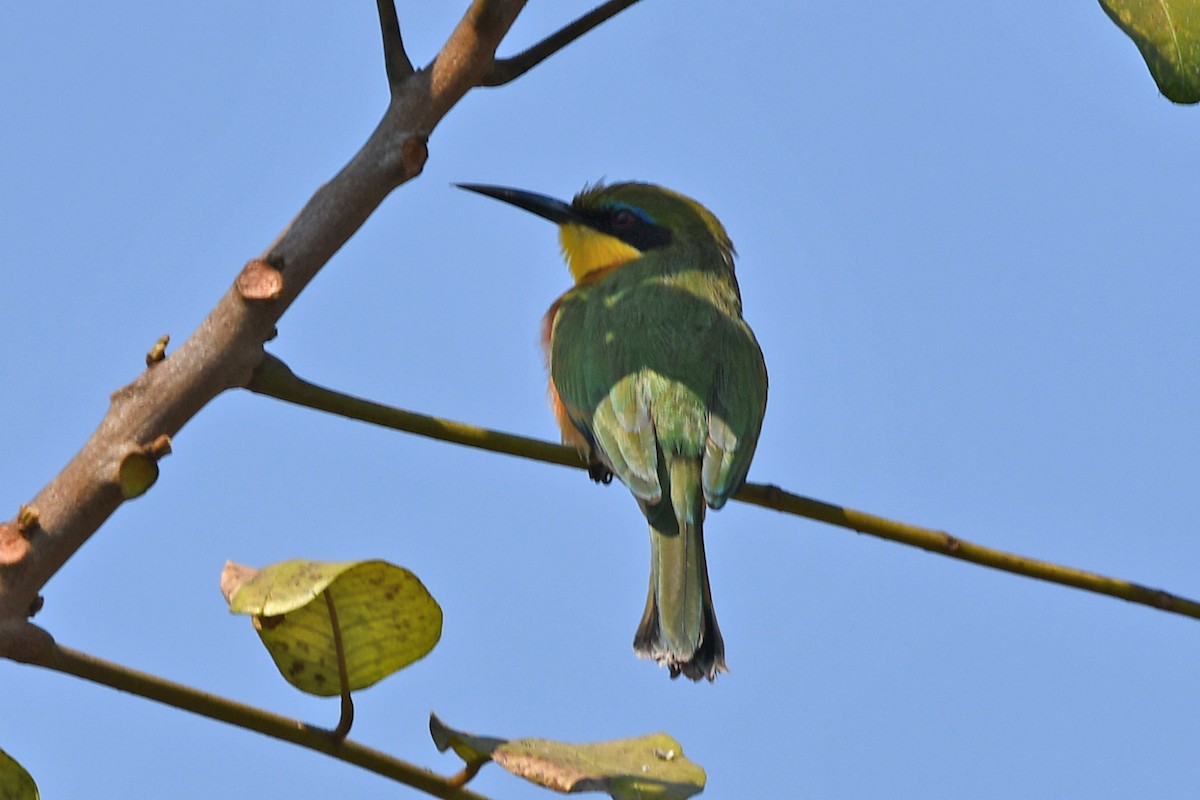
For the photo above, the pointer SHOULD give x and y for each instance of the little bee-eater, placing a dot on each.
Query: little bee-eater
(657, 379)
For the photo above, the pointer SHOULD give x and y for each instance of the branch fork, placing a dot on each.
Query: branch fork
(120, 459)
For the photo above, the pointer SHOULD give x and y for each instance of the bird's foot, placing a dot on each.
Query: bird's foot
(598, 471)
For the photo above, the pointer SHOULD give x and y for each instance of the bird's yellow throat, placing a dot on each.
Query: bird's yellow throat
(587, 250)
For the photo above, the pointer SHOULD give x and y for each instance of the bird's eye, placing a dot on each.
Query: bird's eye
(623, 219)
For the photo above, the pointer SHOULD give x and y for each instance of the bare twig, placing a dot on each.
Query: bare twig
(178, 695)
(944, 544)
(276, 380)
(395, 59)
(509, 69)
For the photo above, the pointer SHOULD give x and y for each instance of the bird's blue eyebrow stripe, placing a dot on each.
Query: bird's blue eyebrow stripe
(616, 204)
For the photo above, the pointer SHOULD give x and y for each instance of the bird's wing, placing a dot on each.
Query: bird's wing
(604, 399)
(624, 432)
(736, 407)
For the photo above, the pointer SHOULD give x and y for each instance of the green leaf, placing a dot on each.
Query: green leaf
(15, 782)
(1168, 34)
(386, 617)
(628, 769)
(648, 768)
(469, 747)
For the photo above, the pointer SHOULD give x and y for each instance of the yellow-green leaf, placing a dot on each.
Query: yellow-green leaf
(15, 782)
(386, 617)
(627, 769)
(1167, 32)
(469, 747)
(648, 768)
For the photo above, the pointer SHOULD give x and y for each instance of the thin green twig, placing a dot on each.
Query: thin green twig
(944, 544)
(222, 709)
(275, 379)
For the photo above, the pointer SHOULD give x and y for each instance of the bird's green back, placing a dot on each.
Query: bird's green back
(653, 356)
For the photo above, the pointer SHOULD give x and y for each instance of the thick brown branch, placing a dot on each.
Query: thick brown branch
(509, 69)
(224, 351)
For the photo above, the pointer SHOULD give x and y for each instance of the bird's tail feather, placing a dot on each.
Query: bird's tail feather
(679, 628)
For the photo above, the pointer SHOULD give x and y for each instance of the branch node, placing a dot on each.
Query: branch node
(28, 519)
(951, 544)
(159, 351)
(414, 153)
(23, 641)
(137, 473)
(159, 448)
(14, 544)
(259, 281)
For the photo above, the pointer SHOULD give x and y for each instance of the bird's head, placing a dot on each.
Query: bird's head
(608, 225)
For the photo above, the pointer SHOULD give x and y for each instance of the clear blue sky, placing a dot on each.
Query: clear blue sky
(966, 238)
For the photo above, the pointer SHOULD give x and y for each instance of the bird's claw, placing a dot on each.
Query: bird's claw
(599, 472)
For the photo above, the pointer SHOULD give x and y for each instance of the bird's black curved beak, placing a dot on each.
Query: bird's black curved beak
(546, 207)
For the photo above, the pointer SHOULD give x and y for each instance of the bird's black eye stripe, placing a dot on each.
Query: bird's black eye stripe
(623, 219)
(643, 234)
(629, 226)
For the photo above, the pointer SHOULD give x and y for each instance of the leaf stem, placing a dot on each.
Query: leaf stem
(468, 772)
(339, 647)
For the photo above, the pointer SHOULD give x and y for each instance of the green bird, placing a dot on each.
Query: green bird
(657, 379)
